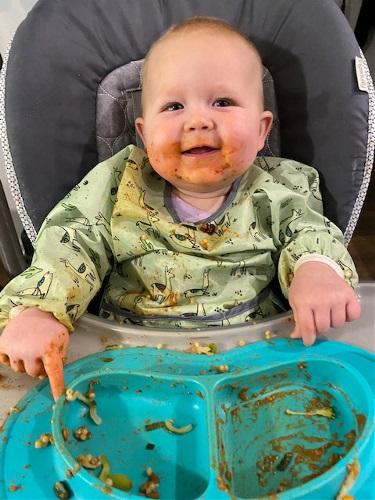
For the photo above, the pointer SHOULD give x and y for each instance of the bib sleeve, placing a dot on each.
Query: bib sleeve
(73, 250)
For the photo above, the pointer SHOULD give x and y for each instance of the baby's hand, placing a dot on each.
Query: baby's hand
(35, 342)
(320, 299)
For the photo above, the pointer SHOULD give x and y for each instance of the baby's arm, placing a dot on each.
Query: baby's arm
(320, 299)
(315, 270)
(35, 342)
(73, 254)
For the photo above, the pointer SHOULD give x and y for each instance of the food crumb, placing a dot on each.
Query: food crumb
(82, 433)
(197, 348)
(177, 430)
(285, 461)
(223, 368)
(61, 490)
(241, 343)
(104, 339)
(149, 487)
(15, 409)
(204, 243)
(159, 346)
(65, 433)
(13, 488)
(267, 334)
(353, 472)
(44, 440)
(242, 394)
(112, 347)
(221, 485)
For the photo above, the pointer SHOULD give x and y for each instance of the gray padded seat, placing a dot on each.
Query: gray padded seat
(51, 92)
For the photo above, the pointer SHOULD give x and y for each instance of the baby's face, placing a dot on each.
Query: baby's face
(203, 120)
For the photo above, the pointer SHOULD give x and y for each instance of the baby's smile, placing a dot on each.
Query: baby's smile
(201, 151)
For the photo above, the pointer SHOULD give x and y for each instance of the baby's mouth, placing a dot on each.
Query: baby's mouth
(200, 150)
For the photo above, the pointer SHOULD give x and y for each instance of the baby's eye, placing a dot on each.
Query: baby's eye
(173, 106)
(223, 102)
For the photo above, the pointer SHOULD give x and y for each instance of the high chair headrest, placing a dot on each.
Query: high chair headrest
(63, 50)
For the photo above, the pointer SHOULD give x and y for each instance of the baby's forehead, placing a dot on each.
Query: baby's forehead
(201, 34)
(163, 63)
(176, 44)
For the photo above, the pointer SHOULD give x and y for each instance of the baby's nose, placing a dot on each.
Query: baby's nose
(199, 121)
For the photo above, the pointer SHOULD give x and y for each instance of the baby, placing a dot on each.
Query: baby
(193, 234)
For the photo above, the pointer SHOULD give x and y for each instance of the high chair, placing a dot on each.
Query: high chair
(70, 94)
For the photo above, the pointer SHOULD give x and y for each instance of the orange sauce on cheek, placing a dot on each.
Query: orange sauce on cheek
(170, 151)
(160, 156)
(165, 151)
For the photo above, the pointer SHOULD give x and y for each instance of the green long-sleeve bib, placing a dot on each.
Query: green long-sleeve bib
(119, 223)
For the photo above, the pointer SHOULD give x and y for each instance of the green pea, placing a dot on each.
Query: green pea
(213, 347)
(121, 482)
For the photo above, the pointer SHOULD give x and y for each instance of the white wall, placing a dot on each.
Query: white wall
(12, 12)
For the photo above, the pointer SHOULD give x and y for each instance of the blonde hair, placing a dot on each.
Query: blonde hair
(198, 23)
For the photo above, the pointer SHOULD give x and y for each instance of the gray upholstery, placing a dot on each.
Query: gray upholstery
(49, 120)
(117, 106)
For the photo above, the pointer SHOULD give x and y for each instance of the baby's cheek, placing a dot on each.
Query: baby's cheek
(165, 150)
(234, 163)
(163, 157)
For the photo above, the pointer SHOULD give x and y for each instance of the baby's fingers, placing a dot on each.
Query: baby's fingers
(296, 334)
(53, 365)
(35, 369)
(4, 359)
(17, 366)
(353, 309)
(305, 327)
(338, 317)
(322, 319)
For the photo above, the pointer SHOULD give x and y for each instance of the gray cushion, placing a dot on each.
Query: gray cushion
(51, 89)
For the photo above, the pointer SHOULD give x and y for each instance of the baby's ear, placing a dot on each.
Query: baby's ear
(139, 125)
(265, 125)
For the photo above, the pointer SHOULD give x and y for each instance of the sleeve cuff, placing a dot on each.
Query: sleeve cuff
(316, 257)
(16, 310)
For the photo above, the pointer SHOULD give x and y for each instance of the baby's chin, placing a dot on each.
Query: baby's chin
(201, 188)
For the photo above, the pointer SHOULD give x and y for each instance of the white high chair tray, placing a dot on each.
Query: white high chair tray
(93, 335)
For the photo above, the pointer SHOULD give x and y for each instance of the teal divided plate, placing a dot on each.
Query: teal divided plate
(242, 443)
